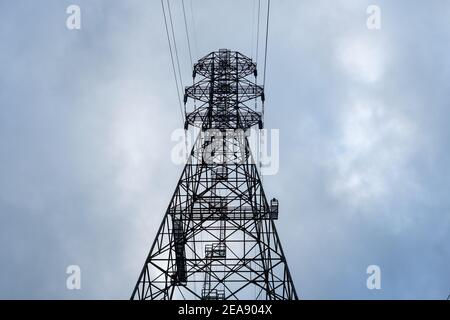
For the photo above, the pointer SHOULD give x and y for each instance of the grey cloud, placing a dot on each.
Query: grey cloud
(86, 118)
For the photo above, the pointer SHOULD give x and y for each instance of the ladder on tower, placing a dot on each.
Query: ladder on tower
(180, 252)
(213, 252)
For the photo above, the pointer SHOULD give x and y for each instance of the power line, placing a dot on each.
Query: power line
(257, 31)
(187, 32)
(194, 33)
(267, 37)
(265, 55)
(175, 44)
(172, 59)
(253, 28)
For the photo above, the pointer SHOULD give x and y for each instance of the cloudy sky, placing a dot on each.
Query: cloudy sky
(86, 117)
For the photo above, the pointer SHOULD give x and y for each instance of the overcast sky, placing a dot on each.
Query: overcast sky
(86, 117)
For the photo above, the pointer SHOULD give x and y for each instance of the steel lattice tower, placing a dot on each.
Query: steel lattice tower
(218, 238)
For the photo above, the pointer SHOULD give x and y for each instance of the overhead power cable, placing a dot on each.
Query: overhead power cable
(194, 32)
(187, 33)
(257, 31)
(175, 44)
(252, 43)
(172, 60)
(267, 37)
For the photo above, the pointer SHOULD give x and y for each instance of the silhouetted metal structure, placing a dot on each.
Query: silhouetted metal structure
(218, 238)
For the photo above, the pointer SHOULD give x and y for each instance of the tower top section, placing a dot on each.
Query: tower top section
(224, 61)
(225, 96)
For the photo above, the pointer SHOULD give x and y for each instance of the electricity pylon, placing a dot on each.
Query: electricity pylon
(218, 238)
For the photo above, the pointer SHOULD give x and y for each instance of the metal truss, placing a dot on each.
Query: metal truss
(218, 238)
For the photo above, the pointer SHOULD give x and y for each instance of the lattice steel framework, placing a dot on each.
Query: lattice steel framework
(218, 238)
